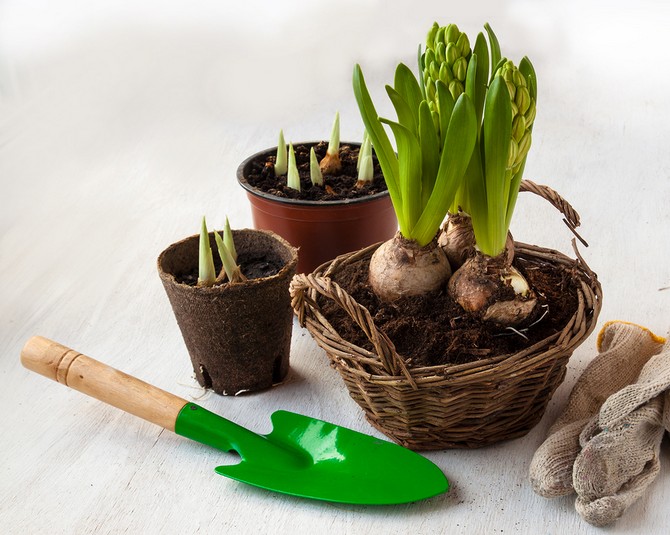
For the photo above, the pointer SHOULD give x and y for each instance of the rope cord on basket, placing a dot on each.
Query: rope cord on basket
(571, 218)
(390, 360)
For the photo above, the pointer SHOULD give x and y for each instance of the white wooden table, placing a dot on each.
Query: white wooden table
(121, 124)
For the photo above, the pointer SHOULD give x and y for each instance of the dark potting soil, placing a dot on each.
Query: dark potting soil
(434, 330)
(336, 187)
(253, 267)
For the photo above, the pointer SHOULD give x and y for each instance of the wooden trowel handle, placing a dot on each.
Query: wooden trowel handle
(100, 381)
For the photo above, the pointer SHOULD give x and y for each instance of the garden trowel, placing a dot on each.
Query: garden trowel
(301, 456)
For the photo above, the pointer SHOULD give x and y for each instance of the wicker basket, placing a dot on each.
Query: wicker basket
(449, 406)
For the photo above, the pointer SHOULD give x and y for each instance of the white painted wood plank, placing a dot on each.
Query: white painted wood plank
(122, 124)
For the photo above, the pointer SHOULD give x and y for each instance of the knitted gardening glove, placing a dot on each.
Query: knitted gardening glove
(624, 349)
(620, 447)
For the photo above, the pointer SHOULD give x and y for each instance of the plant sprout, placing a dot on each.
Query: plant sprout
(206, 273)
(314, 170)
(226, 248)
(280, 160)
(293, 177)
(434, 148)
(364, 162)
(330, 163)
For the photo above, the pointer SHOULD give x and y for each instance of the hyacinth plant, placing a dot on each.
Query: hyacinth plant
(207, 275)
(481, 108)
(505, 101)
(435, 139)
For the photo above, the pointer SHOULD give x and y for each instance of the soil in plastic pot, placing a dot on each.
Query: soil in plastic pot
(238, 335)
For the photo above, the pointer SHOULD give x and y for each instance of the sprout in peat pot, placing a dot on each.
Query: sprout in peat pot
(206, 273)
(435, 138)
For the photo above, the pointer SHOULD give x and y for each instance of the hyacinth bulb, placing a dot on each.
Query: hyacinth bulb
(402, 268)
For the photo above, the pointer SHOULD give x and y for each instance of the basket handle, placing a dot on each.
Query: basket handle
(303, 290)
(571, 217)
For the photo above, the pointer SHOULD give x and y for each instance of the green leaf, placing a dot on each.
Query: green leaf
(292, 177)
(406, 116)
(497, 131)
(382, 145)
(406, 85)
(445, 104)
(482, 77)
(528, 71)
(409, 167)
(206, 273)
(334, 143)
(229, 266)
(430, 151)
(495, 46)
(456, 154)
(475, 195)
(422, 64)
(471, 79)
(228, 239)
(281, 164)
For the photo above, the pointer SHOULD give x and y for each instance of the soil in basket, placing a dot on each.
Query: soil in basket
(434, 330)
(335, 188)
(253, 267)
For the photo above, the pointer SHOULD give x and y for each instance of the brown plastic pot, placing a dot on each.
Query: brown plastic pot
(238, 335)
(321, 230)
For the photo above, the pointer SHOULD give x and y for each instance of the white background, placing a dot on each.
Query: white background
(122, 123)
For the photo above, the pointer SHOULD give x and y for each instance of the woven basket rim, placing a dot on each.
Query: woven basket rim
(575, 331)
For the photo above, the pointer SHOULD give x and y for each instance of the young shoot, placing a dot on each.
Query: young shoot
(228, 261)
(314, 170)
(280, 160)
(293, 177)
(331, 164)
(206, 273)
(364, 163)
(228, 240)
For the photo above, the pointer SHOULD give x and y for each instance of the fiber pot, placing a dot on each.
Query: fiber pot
(321, 230)
(238, 335)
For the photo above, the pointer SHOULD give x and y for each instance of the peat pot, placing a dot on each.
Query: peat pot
(322, 230)
(238, 335)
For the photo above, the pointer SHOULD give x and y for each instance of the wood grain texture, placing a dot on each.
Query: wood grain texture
(102, 382)
(122, 124)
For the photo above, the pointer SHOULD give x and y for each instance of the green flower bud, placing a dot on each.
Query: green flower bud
(430, 38)
(452, 34)
(429, 57)
(518, 127)
(430, 90)
(508, 75)
(513, 153)
(439, 36)
(441, 52)
(433, 70)
(463, 45)
(523, 147)
(519, 79)
(456, 89)
(452, 54)
(512, 90)
(530, 114)
(522, 99)
(515, 110)
(445, 74)
(460, 69)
